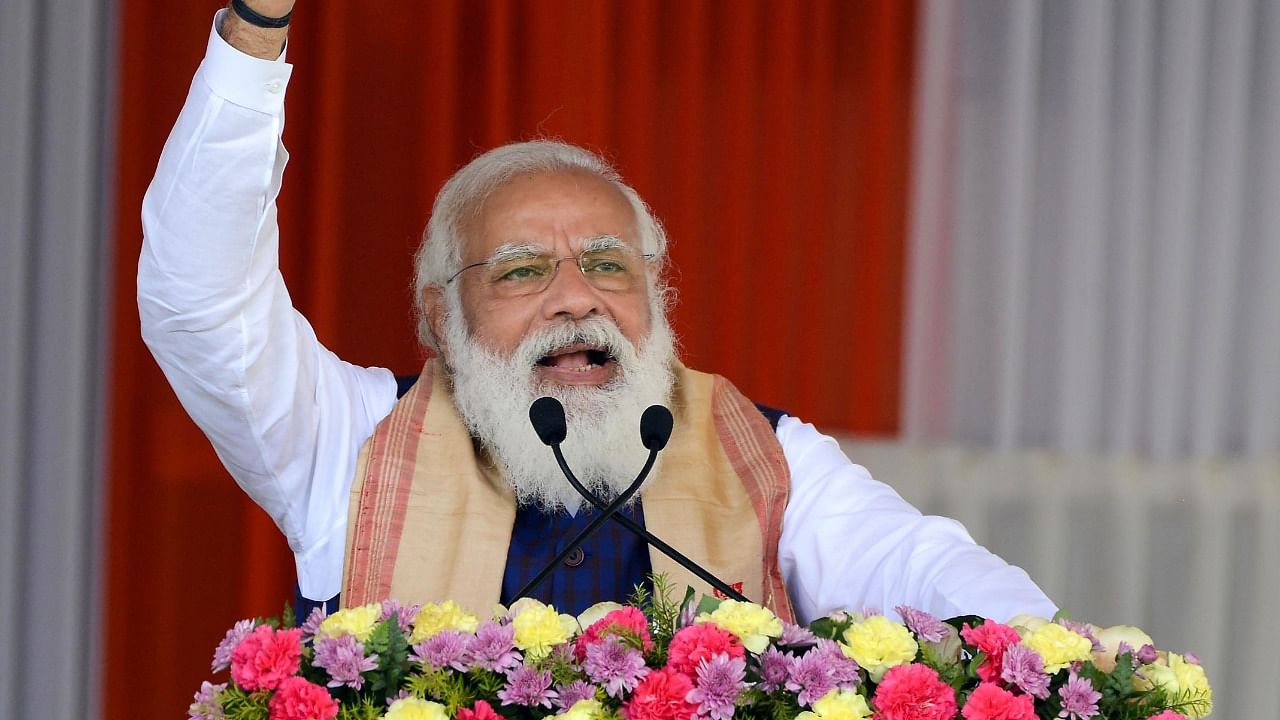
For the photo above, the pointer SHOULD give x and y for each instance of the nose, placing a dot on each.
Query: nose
(569, 295)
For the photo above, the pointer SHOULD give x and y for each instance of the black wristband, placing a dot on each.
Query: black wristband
(247, 14)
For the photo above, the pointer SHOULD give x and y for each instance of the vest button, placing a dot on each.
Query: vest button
(575, 558)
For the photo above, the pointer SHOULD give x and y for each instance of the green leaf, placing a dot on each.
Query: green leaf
(287, 618)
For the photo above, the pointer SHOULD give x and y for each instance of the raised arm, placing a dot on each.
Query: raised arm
(285, 415)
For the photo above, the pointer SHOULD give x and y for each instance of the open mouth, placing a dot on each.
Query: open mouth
(578, 357)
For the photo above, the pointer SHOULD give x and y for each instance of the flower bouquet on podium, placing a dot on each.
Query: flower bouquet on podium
(661, 659)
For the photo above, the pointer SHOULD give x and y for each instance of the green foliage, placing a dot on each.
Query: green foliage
(365, 708)
(239, 705)
(951, 673)
(664, 610)
(392, 647)
(445, 687)
(287, 617)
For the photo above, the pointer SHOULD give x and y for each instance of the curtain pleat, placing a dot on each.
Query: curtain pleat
(771, 139)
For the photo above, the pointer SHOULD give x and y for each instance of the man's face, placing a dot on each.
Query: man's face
(558, 214)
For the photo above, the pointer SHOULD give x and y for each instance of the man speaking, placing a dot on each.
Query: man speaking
(541, 273)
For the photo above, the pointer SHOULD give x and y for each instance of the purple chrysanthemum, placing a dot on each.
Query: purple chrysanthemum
(207, 704)
(842, 668)
(1191, 658)
(925, 626)
(615, 665)
(344, 659)
(493, 648)
(688, 613)
(404, 614)
(1079, 699)
(447, 648)
(402, 695)
(529, 687)
(1024, 668)
(820, 671)
(1147, 654)
(1081, 629)
(312, 624)
(720, 682)
(222, 654)
(774, 669)
(796, 636)
(573, 692)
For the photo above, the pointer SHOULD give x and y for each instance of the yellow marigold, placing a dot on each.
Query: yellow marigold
(1183, 683)
(1058, 646)
(838, 705)
(539, 628)
(878, 644)
(584, 710)
(435, 618)
(753, 624)
(358, 621)
(413, 708)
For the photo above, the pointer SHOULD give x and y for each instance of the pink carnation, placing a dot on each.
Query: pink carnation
(992, 702)
(701, 642)
(481, 711)
(265, 657)
(626, 621)
(991, 638)
(661, 696)
(297, 699)
(914, 692)
(1169, 715)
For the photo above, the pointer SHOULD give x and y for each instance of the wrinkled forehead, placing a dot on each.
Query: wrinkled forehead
(553, 212)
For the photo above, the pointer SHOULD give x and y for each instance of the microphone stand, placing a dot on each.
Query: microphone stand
(647, 536)
(606, 513)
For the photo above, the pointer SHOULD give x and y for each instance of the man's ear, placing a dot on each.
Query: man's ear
(433, 302)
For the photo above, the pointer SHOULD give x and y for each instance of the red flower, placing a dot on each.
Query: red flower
(992, 702)
(626, 621)
(991, 638)
(701, 642)
(297, 699)
(661, 696)
(914, 692)
(481, 711)
(265, 657)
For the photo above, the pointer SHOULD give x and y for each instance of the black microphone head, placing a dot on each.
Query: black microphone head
(655, 427)
(547, 416)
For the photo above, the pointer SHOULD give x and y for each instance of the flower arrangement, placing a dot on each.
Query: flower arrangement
(658, 659)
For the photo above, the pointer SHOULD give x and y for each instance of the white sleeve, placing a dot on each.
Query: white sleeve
(286, 416)
(850, 542)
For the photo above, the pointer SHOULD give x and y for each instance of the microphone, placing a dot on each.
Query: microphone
(547, 416)
(655, 427)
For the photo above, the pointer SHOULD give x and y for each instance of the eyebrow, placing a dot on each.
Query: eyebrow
(524, 250)
(515, 251)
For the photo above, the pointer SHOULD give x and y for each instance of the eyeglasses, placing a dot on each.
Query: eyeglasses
(615, 269)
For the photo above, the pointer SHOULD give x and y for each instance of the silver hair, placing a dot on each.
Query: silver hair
(462, 199)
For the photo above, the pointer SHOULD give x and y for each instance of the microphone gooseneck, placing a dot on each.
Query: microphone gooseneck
(548, 419)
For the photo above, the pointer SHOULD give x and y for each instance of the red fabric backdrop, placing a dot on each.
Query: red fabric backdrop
(771, 137)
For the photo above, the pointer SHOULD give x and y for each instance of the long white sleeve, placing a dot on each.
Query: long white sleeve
(850, 542)
(285, 415)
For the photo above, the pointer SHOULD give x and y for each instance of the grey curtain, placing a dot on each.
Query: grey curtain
(55, 74)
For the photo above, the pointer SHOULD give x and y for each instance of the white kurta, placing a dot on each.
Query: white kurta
(287, 417)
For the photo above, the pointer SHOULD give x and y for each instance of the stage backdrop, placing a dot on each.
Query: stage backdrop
(770, 137)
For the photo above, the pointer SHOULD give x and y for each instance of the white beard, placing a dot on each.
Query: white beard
(493, 395)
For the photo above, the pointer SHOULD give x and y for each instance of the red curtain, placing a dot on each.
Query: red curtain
(770, 137)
